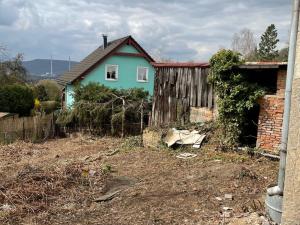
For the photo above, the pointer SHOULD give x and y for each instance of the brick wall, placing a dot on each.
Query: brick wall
(271, 117)
(270, 122)
(281, 77)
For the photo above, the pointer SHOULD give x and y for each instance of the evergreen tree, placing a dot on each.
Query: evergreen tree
(268, 43)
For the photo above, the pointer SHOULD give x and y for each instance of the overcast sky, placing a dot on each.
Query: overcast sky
(173, 29)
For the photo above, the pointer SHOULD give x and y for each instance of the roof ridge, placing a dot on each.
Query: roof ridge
(91, 59)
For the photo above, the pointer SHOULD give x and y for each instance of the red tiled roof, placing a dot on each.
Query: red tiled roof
(180, 64)
(206, 64)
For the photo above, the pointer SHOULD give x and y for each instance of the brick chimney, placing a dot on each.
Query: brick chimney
(104, 40)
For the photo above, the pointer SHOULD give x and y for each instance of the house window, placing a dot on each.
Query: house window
(111, 72)
(142, 74)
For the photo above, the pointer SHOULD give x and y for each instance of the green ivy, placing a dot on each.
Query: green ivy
(235, 95)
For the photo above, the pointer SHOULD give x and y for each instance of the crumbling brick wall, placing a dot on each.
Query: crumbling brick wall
(271, 117)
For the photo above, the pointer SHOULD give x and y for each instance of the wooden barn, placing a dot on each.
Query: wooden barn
(181, 91)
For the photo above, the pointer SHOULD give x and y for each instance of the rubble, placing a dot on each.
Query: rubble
(186, 155)
(184, 137)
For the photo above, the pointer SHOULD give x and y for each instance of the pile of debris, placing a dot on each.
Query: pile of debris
(191, 134)
(184, 137)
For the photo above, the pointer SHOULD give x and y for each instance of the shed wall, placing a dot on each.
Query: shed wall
(178, 89)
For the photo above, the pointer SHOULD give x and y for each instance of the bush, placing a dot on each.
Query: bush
(52, 90)
(236, 95)
(16, 98)
(40, 93)
(49, 106)
(99, 107)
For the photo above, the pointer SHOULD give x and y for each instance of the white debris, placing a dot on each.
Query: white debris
(186, 155)
(219, 199)
(92, 173)
(6, 207)
(228, 196)
(227, 214)
(196, 146)
(184, 137)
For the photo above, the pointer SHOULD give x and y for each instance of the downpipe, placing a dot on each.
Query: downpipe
(274, 194)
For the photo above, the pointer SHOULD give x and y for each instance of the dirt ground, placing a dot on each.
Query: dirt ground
(60, 182)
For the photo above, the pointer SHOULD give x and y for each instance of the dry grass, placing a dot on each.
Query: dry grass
(49, 183)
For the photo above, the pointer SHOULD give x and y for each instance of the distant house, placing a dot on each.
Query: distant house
(120, 64)
(5, 115)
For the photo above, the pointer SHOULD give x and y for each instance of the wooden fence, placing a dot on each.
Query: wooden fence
(27, 128)
(176, 89)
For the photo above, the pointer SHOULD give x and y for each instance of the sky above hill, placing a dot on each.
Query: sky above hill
(181, 30)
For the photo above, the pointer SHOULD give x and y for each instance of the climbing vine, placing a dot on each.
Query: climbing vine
(235, 94)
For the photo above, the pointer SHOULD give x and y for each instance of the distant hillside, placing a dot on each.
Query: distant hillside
(40, 68)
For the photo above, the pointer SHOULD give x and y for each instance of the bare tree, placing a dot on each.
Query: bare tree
(244, 43)
(3, 52)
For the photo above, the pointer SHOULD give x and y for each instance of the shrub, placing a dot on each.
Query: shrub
(99, 107)
(40, 93)
(16, 98)
(52, 90)
(49, 106)
(235, 95)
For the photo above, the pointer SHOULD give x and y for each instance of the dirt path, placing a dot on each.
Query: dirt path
(167, 190)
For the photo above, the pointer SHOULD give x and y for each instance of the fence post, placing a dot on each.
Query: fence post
(142, 116)
(23, 129)
(111, 121)
(123, 117)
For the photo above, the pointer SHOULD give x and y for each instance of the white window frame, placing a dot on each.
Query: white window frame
(117, 72)
(137, 74)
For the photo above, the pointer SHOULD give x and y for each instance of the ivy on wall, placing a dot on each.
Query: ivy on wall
(235, 95)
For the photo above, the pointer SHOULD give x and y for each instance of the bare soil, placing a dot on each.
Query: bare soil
(57, 182)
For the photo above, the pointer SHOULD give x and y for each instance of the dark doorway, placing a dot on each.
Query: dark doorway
(249, 132)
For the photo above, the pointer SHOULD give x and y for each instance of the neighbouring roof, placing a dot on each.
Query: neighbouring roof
(6, 114)
(180, 64)
(263, 65)
(96, 57)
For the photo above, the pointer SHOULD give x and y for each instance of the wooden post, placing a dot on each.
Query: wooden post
(142, 116)
(23, 127)
(123, 117)
(111, 121)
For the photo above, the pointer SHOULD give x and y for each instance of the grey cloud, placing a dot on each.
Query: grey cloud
(8, 14)
(177, 29)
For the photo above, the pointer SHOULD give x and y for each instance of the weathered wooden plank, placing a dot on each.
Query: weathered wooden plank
(176, 90)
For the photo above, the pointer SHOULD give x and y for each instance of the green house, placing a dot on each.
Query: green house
(120, 64)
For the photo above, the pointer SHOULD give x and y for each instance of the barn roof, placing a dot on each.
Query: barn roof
(246, 65)
(180, 64)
